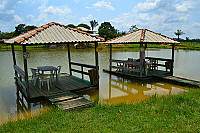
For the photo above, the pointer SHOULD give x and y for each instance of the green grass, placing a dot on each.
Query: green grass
(6, 48)
(182, 45)
(177, 113)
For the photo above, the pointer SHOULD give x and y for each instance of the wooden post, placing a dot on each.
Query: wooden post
(110, 57)
(69, 58)
(172, 67)
(82, 72)
(13, 54)
(97, 62)
(110, 87)
(141, 60)
(26, 70)
(18, 113)
(14, 58)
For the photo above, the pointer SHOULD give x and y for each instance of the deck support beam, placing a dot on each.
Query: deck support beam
(141, 59)
(172, 67)
(97, 62)
(69, 59)
(110, 57)
(26, 70)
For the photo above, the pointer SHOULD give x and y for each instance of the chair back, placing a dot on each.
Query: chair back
(59, 68)
(34, 71)
(130, 59)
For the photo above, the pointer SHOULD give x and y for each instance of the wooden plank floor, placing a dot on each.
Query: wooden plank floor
(151, 74)
(67, 83)
(60, 93)
(182, 80)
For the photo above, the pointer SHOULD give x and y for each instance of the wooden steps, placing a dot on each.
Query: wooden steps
(69, 101)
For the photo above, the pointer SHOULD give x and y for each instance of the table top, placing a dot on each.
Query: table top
(47, 68)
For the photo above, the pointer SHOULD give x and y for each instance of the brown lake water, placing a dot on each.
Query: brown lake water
(112, 90)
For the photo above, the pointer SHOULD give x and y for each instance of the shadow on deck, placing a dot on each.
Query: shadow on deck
(66, 84)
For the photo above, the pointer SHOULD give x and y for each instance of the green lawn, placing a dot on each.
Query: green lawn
(182, 45)
(177, 113)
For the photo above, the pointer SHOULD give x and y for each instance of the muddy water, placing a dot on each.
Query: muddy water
(112, 90)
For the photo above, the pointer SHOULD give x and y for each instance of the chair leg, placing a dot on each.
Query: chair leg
(39, 83)
(48, 84)
(34, 81)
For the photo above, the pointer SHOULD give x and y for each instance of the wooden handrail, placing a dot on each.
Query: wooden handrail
(84, 65)
(161, 59)
(19, 71)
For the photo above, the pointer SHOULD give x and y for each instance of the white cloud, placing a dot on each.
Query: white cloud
(10, 12)
(77, 1)
(149, 5)
(56, 10)
(18, 19)
(86, 19)
(3, 4)
(186, 6)
(29, 16)
(19, 2)
(103, 5)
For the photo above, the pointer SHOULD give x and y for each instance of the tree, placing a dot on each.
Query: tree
(71, 25)
(133, 28)
(187, 39)
(19, 29)
(107, 31)
(93, 23)
(6, 35)
(178, 33)
(84, 25)
(22, 28)
(29, 27)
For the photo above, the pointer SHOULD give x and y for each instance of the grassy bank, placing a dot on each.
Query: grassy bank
(177, 113)
(182, 45)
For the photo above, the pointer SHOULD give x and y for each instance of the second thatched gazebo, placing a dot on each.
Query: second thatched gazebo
(136, 68)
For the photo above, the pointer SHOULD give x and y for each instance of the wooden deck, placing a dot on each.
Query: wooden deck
(160, 75)
(179, 80)
(135, 75)
(61, 93)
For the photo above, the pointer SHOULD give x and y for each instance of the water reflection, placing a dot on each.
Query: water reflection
(27, 109)
(24, 109)
(123, 90)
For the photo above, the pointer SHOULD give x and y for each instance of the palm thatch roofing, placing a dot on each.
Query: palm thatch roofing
(53, 33)
(142, 36)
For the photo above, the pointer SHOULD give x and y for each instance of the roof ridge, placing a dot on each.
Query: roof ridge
(163, 35)
(41, 28)
(37, 30)
(123, 35)
(142, 35)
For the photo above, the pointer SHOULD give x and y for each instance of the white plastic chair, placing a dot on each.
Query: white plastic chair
(44, 78)
(58, 73)
(35, 75)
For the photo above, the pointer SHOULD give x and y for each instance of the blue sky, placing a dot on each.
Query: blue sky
(162, 16)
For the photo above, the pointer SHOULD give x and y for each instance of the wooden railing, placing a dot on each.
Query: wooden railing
(20, 75)
(167, 63)
(82, 66)
(123, 65)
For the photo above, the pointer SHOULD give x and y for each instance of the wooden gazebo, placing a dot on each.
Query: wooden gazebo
(52, 33)
(142, 37)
